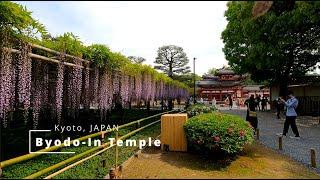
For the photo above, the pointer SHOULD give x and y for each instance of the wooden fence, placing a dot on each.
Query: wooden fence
(83, 154)
(309, 105)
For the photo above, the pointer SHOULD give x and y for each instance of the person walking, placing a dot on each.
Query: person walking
(201, 100)
(230, 101)
(258, 100)
(291, 105)
(251, 112)
(214, 102)
(263, 103)
(238, 102)
(267, 102)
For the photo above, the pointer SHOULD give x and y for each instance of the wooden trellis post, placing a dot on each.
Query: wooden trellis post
(102, 142)
(114, 171)
(258, 133)
(0, 171)
(280, 142)
(138, 124)
(117, 153)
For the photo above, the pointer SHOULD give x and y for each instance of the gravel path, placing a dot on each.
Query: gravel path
(299, 150)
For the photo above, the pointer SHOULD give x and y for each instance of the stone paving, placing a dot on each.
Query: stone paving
(298, 149)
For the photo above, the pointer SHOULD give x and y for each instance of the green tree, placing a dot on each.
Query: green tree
(98, 53)
(213, 71)
(187, 79)
(16, 21)
(276, 46)
(68, 43)
(172, 60)
(137, 59)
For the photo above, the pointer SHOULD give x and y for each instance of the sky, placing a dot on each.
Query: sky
(140, 28)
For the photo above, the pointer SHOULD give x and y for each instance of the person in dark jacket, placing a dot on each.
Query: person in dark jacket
(258, 101)
(263, 103)
(251, 110)
(279, 106)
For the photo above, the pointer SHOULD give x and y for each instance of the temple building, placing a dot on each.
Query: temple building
(227, 82)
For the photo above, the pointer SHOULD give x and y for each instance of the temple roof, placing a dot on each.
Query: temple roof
(225, 71)
(210, 76)
(210, 83)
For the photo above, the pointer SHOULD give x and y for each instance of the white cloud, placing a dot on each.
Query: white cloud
(140, 28)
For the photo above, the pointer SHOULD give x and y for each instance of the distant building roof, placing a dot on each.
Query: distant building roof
(210, 76)
(210, 83)
(225, 71)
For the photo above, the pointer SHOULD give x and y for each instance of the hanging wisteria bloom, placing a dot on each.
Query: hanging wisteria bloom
(59, 88)
(23, 71)
(45, 90)
(138, 87)
(153, 90)
(39, 89)
(85, 93)
(131, 88)
(146, 86)
(105, 92)
(157, 90)
(109, 90)
(94, 83)
(166, 92)
(6, 85)
(116, 83)
(161, 90)
(124, 91)
(74, 87)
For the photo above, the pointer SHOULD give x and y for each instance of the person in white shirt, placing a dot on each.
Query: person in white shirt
(214, 101)
(201, 100)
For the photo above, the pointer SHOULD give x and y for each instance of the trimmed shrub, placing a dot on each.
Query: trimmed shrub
(200, 109)
(217, 133)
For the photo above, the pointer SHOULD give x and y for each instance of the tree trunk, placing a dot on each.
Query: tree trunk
(170, 104)
(130, 106)
(162, 103)
(283, 89)
(139, 104)
(148, 105)
(284, 82)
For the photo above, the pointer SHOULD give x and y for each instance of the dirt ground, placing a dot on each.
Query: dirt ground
(256, 161)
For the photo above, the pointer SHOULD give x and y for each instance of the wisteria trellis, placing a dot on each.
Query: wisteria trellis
(82, 87)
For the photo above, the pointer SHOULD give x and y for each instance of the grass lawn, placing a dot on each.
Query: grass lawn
(256, 161)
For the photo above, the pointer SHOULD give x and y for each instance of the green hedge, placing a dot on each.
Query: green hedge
(216, 132)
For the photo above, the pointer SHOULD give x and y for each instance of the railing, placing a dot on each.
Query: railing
(35, 175)
(53, 148)
(107, 145)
